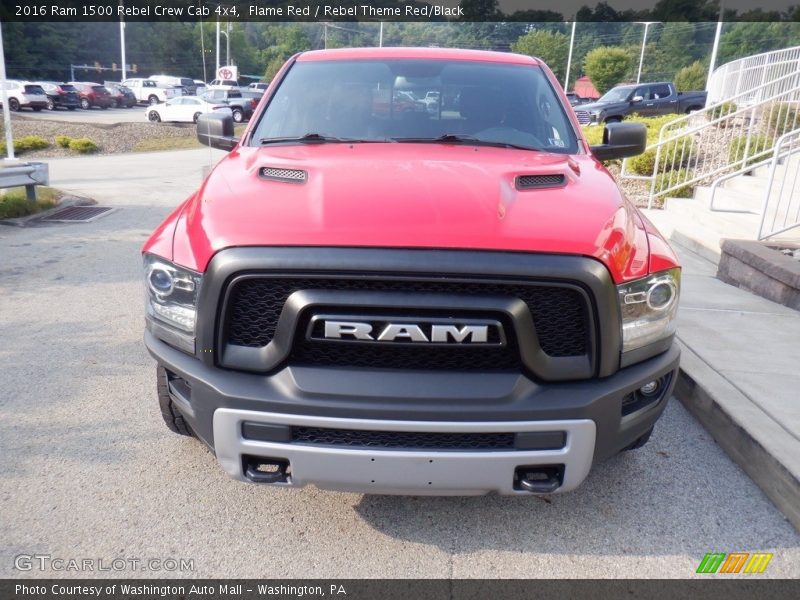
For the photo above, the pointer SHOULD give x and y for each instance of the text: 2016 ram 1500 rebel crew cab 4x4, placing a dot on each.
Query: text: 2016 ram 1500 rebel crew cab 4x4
(453, 301)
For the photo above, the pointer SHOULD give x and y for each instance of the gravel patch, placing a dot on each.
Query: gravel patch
(111, 139)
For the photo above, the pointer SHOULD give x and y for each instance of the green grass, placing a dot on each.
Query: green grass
(14, 202)
(189, 142)
(157, 144)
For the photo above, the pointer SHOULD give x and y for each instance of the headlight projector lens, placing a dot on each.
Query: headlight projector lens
(660, 295)
(161, 281)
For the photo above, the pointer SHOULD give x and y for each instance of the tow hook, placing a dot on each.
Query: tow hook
(539, 479)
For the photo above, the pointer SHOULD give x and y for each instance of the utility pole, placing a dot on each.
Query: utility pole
(4, 96)
(714, 51)
(380, 37)
(122, 46)
(569, 57)
(644, 43)
(228, 43)
(215, 72)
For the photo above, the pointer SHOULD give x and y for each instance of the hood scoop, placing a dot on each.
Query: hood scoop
(537, 182)
(285, 175)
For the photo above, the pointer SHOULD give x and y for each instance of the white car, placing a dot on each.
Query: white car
(24, 94)
(223, 84)
(184, 109)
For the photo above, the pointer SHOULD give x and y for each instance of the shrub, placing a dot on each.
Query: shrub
(692, 77)
(780, 117)
(722, 110)
(670, 178)
(594, 134)
(83, 146)
(673, 156)
(607, 66)
(758, 143)
(26, 144)
(63, 141)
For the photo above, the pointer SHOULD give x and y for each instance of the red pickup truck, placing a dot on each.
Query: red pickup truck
(451, 301)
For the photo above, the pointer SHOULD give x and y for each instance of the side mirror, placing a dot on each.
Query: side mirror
(621, 140)
(637, 99)
(216, 130)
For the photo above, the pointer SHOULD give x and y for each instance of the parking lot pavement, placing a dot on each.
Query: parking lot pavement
(89, 470)
(109, 116)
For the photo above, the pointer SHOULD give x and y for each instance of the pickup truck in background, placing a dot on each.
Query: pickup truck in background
(412, 302)
(150, 91)
(645, 99)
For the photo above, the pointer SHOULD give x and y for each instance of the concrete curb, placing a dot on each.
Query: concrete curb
(66, 202)
(757, 443)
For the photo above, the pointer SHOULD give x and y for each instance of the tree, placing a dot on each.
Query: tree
(692, 77)
(606, 66)
(551, 46)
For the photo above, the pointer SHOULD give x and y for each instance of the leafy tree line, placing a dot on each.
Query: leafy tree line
(45, 50)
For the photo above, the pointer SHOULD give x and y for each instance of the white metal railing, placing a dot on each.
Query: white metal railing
(759, 75)
(780, 210)
(720, 139)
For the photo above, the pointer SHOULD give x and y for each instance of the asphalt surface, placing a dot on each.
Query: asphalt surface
(135, 114)
(88, 469)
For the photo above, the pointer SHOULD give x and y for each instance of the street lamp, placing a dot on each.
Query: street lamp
(569, 58)
(227, 48)
(644, 43)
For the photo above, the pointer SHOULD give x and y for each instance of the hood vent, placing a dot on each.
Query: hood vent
(534, 182)
(287, 175)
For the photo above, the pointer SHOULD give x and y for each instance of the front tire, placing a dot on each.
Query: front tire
(238, 115)
(50, 104)
(85, 104)
(152, 100)
(173, 419)
(195, 117)
(13, 104)
(154, 117)
(613, 120)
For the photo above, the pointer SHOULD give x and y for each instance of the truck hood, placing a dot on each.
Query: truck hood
(398, 195)
(602, 105)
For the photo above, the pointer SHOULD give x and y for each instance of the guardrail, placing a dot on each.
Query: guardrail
(754, 78)
(723, 138)
(27, 175)
(780, 210)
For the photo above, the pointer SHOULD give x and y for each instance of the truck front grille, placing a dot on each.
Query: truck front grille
(560, 316)
(408, 440)
(583, 117)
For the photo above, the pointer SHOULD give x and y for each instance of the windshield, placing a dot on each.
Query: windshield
(380, 101)
(616, 95)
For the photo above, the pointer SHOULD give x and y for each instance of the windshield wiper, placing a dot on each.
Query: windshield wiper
(313, 138)
(457, 138)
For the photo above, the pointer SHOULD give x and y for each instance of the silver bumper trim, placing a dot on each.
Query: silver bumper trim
(407, 472)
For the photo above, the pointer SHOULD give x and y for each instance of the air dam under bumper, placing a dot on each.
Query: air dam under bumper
(415, 472)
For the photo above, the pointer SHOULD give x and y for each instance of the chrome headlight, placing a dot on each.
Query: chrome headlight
(171, 293)
(649, 307)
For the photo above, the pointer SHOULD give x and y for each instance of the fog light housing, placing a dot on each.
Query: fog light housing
(649, 389)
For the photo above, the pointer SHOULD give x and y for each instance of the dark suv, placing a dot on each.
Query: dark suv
(92, 94)
(121, 96)
(60, 95)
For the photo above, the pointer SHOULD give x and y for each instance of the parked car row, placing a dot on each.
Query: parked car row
(187, 109)
(154, 90)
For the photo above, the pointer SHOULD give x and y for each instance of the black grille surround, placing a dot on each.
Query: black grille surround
(560, 315)
(406, 440)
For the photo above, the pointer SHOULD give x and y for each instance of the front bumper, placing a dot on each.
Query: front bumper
(217, 401)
